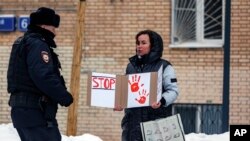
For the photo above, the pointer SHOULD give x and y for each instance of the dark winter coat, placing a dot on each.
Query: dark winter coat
(133, 116)
(34, 80)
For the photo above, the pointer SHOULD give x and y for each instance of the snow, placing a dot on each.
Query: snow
(8, 133)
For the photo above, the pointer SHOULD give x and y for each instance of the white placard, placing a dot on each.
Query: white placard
(138, 90)
(103, 90)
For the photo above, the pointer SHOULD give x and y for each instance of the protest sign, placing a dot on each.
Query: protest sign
(165, 129)
(133, 90)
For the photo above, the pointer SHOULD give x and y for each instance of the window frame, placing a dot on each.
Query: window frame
(200, 42)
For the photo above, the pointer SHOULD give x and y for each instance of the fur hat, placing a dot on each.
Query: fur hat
(44, 16)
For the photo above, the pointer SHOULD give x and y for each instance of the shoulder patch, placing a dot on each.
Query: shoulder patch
(45, 56)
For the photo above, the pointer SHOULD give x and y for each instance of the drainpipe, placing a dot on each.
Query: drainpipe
(226, 72)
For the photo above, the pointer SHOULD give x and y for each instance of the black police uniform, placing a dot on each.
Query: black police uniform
(36, 86)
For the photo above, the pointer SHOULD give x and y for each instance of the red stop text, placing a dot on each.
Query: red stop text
(100, 82)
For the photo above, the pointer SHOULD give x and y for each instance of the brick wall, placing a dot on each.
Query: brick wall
(110, 28)
(240, 63)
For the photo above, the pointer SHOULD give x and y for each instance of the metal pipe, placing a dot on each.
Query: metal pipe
(226, 74)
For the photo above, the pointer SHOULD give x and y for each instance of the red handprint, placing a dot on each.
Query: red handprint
(134, 87)
(143, 97)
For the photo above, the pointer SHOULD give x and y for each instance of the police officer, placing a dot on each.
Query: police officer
(35, 84)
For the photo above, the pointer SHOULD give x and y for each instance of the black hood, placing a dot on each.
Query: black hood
(156, 46)
(155, 51)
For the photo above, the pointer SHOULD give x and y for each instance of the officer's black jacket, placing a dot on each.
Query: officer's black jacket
(34, 69)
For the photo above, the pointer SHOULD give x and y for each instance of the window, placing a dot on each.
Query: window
(197, 23)
(200, 118)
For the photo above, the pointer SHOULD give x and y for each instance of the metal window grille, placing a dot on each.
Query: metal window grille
(197, 22)
(200, 118)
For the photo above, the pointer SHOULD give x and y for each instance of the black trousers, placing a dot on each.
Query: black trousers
(40, 133)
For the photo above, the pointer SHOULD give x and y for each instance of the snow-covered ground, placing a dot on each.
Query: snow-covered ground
(8, 133)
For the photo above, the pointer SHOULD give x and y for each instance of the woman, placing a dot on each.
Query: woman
(149, 48)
